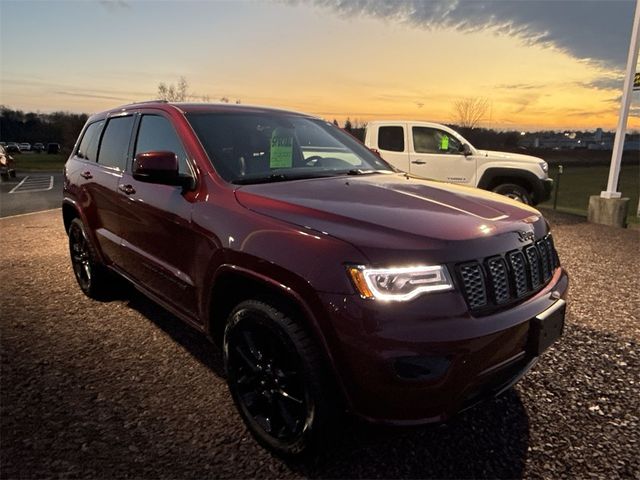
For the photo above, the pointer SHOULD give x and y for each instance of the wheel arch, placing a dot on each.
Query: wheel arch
(494, 176)
(69, 212)
(231, 284)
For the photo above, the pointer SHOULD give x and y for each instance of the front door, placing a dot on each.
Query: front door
(158, 241)
(437, 154)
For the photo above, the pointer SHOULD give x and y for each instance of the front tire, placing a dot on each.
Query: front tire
(276, 379)
(515, 192)
(92, 277)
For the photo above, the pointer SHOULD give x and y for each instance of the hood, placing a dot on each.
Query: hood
(510, 156)
(391, 211)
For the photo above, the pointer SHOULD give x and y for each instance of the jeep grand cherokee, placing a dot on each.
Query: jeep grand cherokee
(331, 280)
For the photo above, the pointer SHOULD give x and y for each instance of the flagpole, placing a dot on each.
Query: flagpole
(618, 144)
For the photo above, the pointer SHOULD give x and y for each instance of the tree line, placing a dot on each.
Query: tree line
(57, 127)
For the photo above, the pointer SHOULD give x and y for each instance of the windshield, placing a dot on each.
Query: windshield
(255, 147)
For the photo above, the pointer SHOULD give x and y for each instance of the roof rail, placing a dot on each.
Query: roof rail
(149, 101)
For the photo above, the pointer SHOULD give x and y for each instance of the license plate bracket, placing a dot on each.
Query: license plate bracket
(547, 327)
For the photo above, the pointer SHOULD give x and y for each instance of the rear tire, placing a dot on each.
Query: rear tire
(515, 192)
(91, 275)
(277, 380)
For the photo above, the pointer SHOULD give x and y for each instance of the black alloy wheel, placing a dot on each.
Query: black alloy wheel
(91, 275)
(274, 376)
(80, 256)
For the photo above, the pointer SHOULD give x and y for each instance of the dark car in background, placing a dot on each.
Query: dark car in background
(38, 147)
(7, 169)
(12, 147)
(331, 280)
(53, 148)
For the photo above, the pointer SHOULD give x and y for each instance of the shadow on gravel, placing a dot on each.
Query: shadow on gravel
(490, 440)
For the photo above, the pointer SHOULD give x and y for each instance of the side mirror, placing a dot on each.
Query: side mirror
(157, 167)
(466, 149)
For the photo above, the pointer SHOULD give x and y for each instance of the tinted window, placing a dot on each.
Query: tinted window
(88, 148)
(157, 134)
(257, 147)
(432, 140)
(115, 142)
(391, 139)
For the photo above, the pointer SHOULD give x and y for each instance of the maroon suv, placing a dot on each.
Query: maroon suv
(331, 280)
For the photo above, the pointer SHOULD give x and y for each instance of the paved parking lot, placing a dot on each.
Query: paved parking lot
(30, 192)
(123, 389)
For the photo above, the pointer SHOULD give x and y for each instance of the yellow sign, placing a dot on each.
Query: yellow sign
(444, 142)
(281, 155)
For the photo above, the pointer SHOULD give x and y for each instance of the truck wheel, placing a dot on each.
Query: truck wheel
(92, 277)
(275, 377)
(513, 191)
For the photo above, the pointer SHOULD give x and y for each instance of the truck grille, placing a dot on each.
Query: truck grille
(502, 279)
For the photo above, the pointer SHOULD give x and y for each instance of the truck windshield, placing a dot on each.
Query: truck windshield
(256, 147)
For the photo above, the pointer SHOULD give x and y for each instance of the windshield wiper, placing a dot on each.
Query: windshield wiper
(274, 177)
(358, 171)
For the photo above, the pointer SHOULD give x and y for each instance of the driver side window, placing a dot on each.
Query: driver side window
(157, 134)
(433, 140)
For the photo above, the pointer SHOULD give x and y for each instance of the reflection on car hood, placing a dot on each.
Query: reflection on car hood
(383, 211)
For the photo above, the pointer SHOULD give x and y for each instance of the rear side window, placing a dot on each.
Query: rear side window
(391, 139)
(88, 148)
(115, 142)
(157, 134)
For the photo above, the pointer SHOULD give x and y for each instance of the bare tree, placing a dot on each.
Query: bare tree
(174, 93)
(180, 92)
(469, 112)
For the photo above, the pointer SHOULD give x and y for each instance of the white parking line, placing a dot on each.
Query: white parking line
(27, 214)
(19, 185)
(34, 184)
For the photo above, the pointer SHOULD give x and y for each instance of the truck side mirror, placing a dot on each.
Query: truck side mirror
(466, 149)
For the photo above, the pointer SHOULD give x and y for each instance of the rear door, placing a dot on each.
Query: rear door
(392, 144)
(437, 153)
(158, 240)
(95, 168)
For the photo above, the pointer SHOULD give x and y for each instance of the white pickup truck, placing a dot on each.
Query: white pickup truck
(436, 151)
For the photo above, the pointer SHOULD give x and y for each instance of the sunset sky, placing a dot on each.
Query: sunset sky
(541, 64)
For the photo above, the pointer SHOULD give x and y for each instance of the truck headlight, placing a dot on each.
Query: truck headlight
(400, 284)
(544, 166)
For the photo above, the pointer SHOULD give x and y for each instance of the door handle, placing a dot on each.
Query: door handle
(128, 189)
(418, 162)
(87, 175)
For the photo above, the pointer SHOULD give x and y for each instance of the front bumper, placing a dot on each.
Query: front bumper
(424, 360)
(544, 189)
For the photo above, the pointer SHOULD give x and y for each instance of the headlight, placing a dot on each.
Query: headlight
(399, 284)
(544, 166)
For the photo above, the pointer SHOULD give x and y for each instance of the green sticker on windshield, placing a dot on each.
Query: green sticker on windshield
(444, 142)
(281, 149)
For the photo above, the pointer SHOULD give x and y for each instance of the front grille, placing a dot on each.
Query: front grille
(474, 285)
(502, 279)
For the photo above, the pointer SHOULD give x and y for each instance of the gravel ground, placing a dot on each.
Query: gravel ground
(123, 390)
